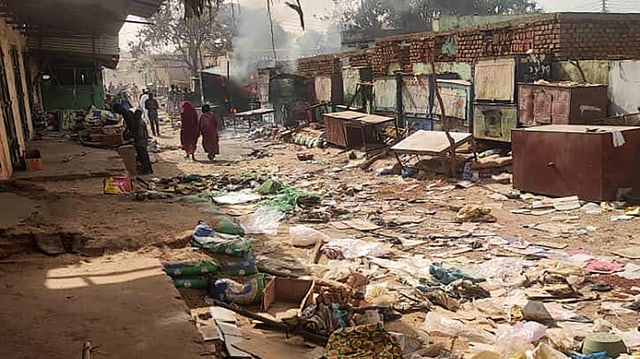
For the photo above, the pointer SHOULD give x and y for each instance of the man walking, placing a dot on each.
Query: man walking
(152, 106)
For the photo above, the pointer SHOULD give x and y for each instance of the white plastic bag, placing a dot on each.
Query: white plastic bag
(357, 248)
(437, 324)
(303, 236)
(263, 221)
(519, 338)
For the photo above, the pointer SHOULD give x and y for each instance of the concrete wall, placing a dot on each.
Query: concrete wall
(10, 37)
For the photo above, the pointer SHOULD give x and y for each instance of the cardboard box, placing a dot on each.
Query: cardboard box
(286, 298)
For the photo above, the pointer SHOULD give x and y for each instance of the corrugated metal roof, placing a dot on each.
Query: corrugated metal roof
(76, 27)
(104, 49)
(103, 45)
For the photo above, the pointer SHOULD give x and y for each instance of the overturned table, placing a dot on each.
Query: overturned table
(429, 143)
(251, 116)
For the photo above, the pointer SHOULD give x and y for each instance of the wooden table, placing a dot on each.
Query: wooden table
(349, 128)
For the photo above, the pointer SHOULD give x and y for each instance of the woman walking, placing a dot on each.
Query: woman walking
(209, 131)
(189, 131)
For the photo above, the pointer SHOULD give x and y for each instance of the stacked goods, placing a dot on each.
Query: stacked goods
(230, 275)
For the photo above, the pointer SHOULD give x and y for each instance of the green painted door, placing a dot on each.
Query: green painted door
(7, 115)
(22, 106)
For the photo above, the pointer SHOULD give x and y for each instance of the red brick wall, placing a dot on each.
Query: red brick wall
(318, 65)
(559, 36)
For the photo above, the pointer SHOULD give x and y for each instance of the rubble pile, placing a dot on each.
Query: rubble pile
(427, 277)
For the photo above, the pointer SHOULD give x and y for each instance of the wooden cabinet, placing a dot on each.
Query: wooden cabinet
(544, 104)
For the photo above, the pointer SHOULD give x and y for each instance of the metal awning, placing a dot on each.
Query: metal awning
(83, 28)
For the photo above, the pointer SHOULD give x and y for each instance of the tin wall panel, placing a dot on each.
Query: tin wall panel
(328, 88)
(386, 94)
(494, 122)
(495, 80)
(263, 86)
(323, 86)
(350, 80)
(415, 94)
(624, 87)
(456, 98)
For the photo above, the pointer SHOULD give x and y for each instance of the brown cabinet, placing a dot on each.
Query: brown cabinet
(567, 160)
(544, 104)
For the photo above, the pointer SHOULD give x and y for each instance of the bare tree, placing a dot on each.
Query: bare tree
(191, 37)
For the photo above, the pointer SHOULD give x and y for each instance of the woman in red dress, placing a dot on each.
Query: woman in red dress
(209, 131)
(189, 130)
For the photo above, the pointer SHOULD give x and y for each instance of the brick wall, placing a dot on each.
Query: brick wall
(607, 36)
(562, 36)
(318, 66)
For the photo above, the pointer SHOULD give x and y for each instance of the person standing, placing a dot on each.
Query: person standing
(189, 131)
(136, 130)
(209, 131)
(152, 107)
(143, 98)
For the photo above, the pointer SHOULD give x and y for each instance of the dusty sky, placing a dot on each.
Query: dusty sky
(314, 8)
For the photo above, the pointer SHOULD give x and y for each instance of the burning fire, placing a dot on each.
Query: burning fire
(234, 110)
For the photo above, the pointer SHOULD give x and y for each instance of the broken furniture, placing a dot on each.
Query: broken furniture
(429, 143)
(561, 103)
(253, 115)
(593, 162)
(350, 129)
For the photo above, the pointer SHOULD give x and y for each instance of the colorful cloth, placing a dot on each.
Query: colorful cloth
(189, 131)
(209, 131)
(363, 342)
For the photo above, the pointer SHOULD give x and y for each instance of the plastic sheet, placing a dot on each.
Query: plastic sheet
(244, 196)
(518, 338)
(436, 324)
(303, 236)
(356, 248)
(263, 221)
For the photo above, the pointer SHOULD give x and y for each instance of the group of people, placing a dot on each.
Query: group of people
(192, 127)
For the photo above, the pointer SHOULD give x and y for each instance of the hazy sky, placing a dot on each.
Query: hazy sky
(289, 21)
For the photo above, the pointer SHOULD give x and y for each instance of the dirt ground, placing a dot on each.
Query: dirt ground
(139, 312)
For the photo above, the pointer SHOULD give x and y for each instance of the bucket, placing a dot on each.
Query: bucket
(34, 160)
(35, 164)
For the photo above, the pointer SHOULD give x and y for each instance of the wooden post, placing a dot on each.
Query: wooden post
(445, 125)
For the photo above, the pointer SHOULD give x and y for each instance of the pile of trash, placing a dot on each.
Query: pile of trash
(198, 187)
